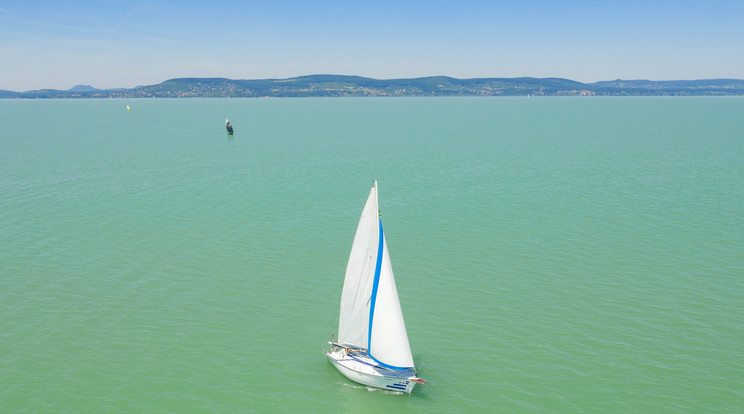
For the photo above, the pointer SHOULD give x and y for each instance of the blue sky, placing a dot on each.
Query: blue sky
(108, 44)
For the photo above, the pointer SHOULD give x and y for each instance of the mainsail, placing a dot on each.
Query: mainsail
(371, 317)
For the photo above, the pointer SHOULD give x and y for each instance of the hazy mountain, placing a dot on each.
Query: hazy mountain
(341, 85)
(83, 88)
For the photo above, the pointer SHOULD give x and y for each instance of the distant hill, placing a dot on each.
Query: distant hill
(336, 85)
(674, 87)
(83, 88)
(341, 85)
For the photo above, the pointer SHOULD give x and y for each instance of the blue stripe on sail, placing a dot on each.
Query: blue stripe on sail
(375, 284)
(387, 365)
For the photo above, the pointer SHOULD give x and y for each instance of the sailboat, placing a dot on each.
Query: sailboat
(372, 346)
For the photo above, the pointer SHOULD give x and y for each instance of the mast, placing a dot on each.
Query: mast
(378, 201)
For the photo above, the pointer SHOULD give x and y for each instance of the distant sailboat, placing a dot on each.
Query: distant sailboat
(229, 127)
(372, 346)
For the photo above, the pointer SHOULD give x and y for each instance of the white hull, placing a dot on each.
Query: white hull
(358, 367)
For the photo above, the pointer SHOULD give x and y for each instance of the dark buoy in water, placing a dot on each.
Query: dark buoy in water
(229, 127)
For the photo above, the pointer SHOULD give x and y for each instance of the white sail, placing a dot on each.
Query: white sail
(388, 338)
(353, 323)
(371, 317)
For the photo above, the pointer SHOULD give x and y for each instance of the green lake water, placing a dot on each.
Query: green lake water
(551, 254)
